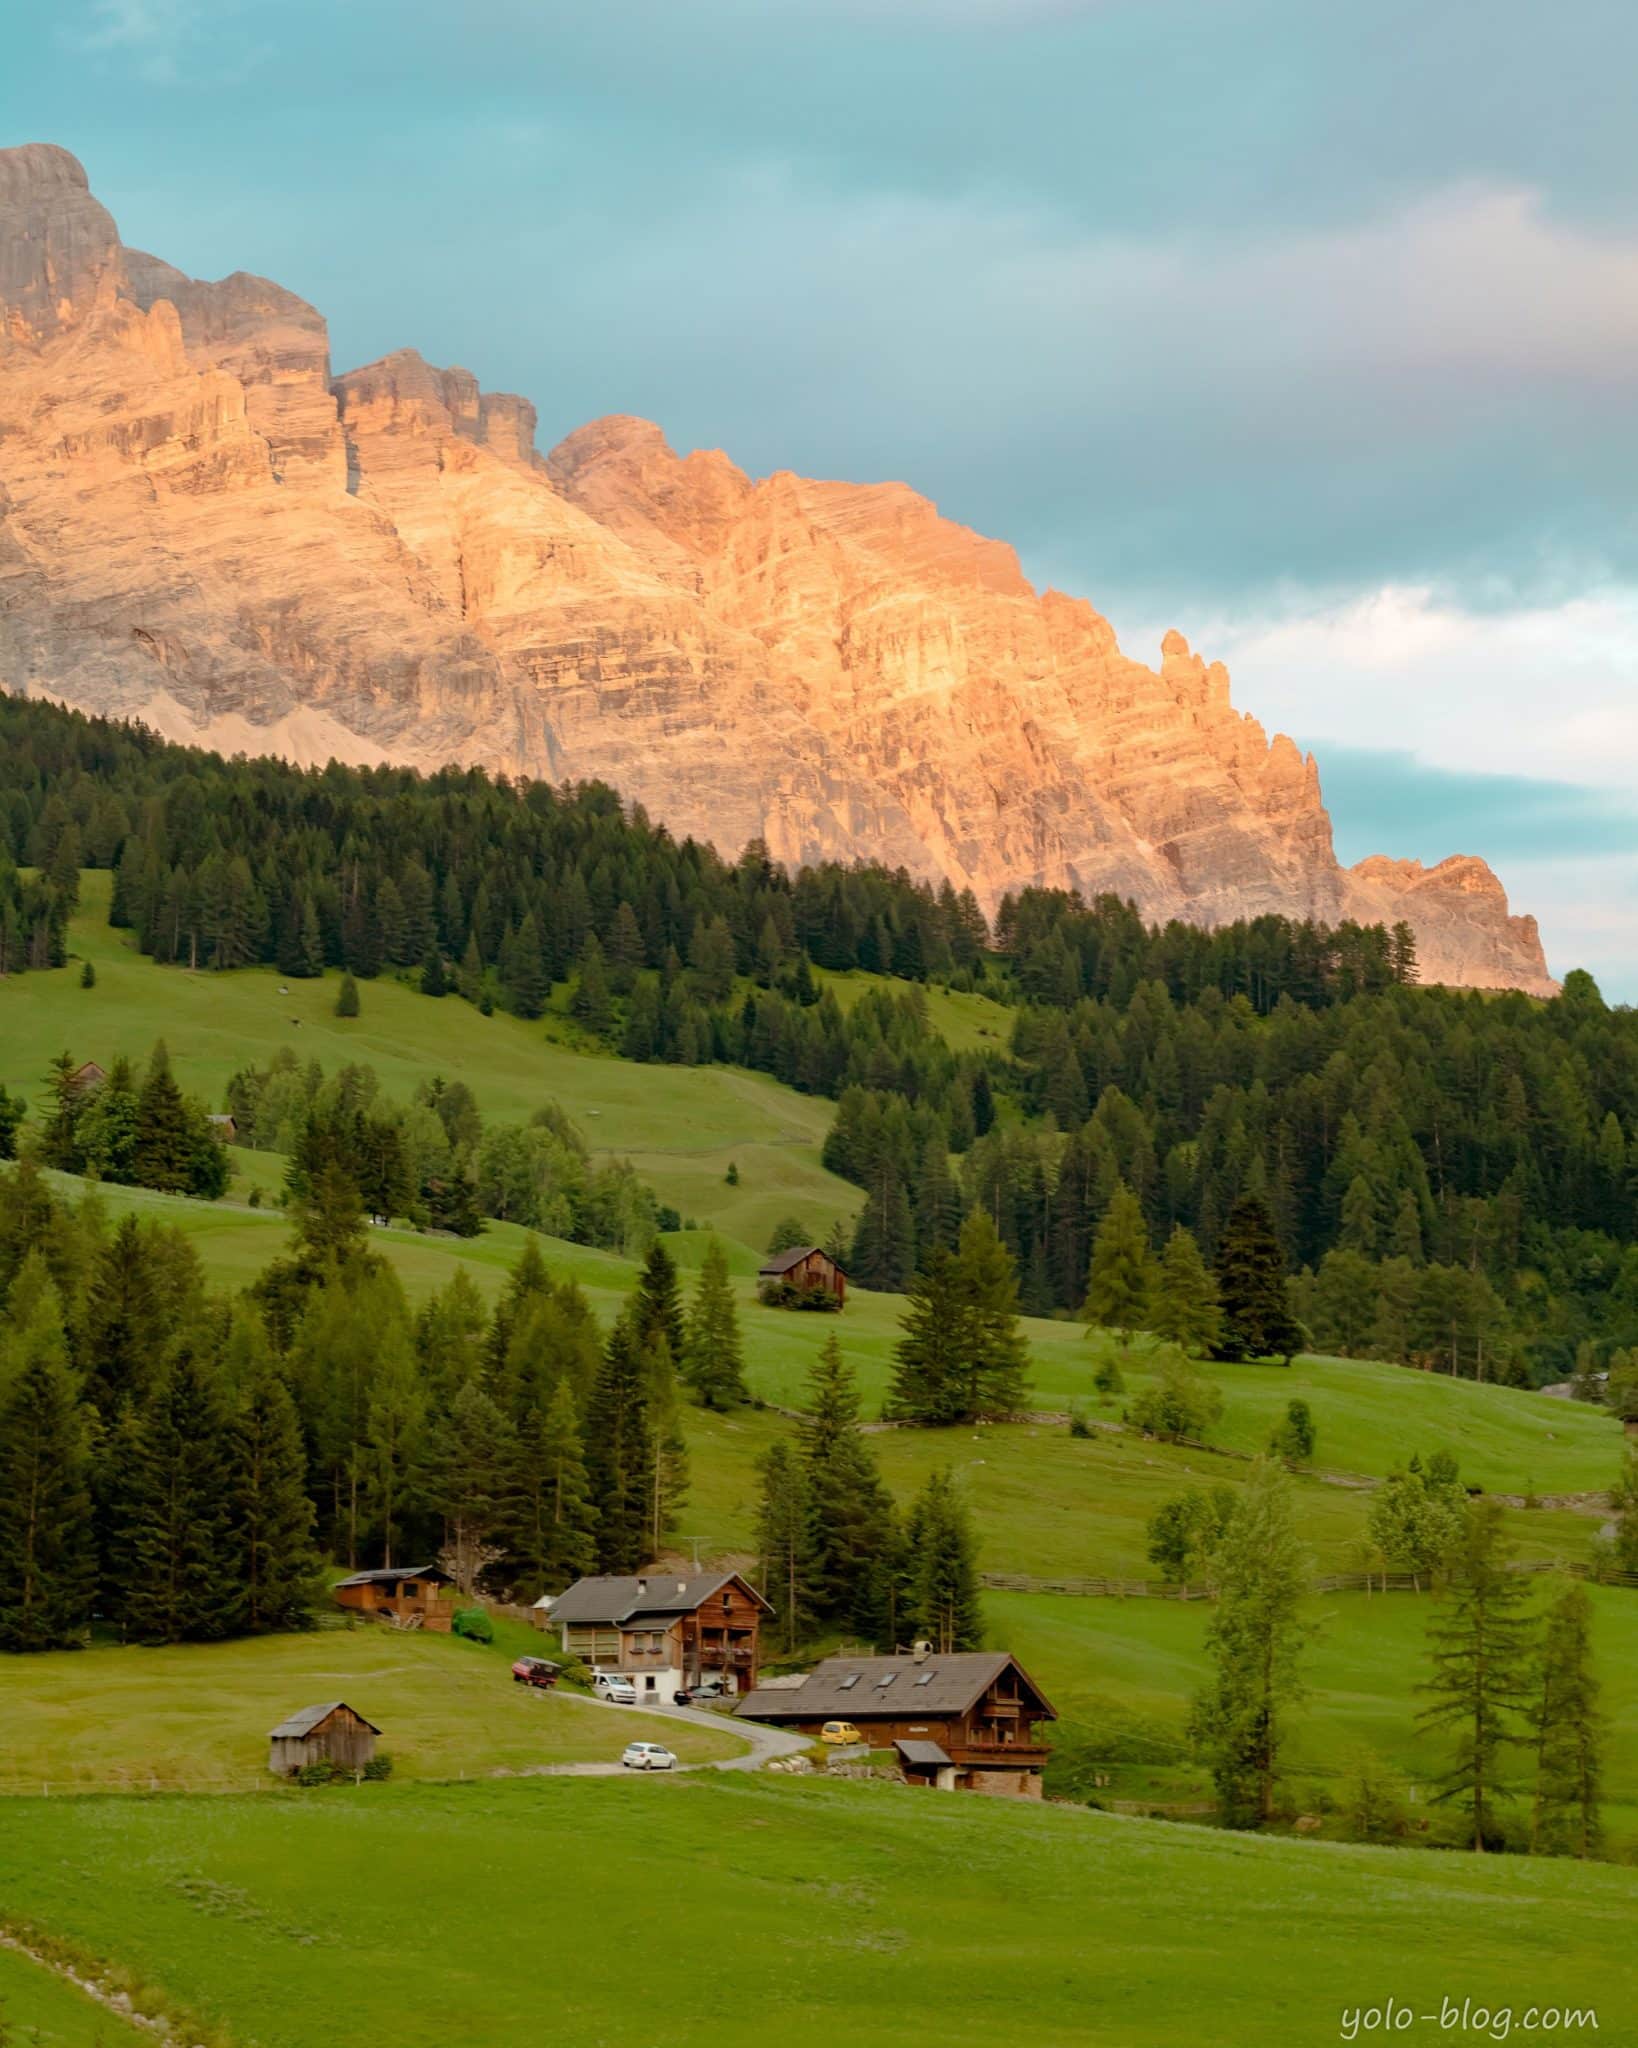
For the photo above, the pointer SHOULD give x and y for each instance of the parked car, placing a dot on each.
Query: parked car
(648, 1756)
(840, 1731)
(620, 1691)
(682, 1697)
(534, 1671)
(710, 1689)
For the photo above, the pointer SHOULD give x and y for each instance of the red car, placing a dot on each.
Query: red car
(534, 1671)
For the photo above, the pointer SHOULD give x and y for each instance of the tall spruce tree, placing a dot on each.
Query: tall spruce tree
(997, 1358)
(1254, 1638)
(548, 1518)
(174, 1568)
(657, 1304)
(48, 1567)
(471, 1455)
(929, 1357)
(943, 1568)
(1480, 1643)
(1568, 1727)
(853, 1535)
(163, 1154)
(884, 1238)
(665, 1484)
(278, 1568)
(1120, 1282)
(1185, 1310)
(618, 1451)
(712, 1359)
(1257, 1319)
(784, 1540)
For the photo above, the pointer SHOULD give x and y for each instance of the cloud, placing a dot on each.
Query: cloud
(167, 42)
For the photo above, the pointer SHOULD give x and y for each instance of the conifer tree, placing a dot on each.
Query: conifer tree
(549, 1519)
(347, 997)
(665, 1483)
(434, 981)
(1254, 1638)
(929, 1357)
(1569, 1733)
(996, 1358)
(47, 1557)
(590, 1003)
(174, 1556)
(853, 1531)
(884, 1239)
(618, 1452)
(277, 1566)
(1480, 1643)
(392, 1453)
(1185, 1309)
(712, 1362)
(471, 1455)
(163, 1154)
(657, 1304)
(1257, 1320)
(942, 1553)
(1120, 1282)
(784, 1537)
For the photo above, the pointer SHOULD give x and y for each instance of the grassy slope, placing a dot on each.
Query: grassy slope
(1106, 1662)
(796, 1912)
(195, 1718)
(680, 1126)
(41, 2010)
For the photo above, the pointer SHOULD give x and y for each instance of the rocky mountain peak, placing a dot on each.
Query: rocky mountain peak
(201, 527)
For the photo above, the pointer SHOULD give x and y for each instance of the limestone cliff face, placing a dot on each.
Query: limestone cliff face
(202, 527)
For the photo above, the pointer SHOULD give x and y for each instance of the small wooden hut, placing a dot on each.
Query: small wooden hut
(330, 1733)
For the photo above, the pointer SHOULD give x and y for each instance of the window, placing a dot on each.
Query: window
(926, 1678)
(885, 1681)
(848, 1683)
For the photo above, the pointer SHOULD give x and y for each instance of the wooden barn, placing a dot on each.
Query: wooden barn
(410, 1596)
(328, 1734)
(806, 1267)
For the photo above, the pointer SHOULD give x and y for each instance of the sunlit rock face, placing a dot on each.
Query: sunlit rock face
(202, 526)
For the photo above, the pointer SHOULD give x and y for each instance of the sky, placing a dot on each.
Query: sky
(1310, 330)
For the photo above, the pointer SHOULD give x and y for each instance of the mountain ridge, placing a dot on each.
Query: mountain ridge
(202, 527)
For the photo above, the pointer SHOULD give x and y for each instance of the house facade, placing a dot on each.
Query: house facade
(413, 1596)
(806, 1267)
(663, 1632)
(966, 1721)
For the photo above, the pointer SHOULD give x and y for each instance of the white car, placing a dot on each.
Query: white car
(647, 1756)
(620, 1690)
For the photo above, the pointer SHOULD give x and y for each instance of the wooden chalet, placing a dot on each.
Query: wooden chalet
(410, 1596)
(806, 1267)
(965, 1721)
(224, 1129)
(332, 1733)
(86, 1080)
(664, 1632)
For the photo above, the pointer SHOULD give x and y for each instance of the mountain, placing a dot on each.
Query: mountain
(202, 528)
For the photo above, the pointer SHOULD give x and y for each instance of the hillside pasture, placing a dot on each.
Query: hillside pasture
(859, 1913)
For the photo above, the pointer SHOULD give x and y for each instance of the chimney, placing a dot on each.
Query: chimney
(682, 1585)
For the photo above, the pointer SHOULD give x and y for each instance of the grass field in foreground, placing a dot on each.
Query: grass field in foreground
(1112, 1667)
(739, 1910)
(196, 1717)
(41, 2010)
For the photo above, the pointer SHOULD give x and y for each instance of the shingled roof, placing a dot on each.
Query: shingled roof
(889, 1688)
(782, 1262)
(611, 1602)
(306, 1719)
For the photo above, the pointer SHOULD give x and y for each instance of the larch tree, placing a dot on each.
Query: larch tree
(1568, 1728)
(1120, 1282)
(1254, 1639)
(1481, 1642)
(1185, 1310)
(784, 1542)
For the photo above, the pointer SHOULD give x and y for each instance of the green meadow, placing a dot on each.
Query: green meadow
(745, 1909)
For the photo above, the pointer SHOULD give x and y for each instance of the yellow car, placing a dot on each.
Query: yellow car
(840, 1731)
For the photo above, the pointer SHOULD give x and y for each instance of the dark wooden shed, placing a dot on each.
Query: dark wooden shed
(330, 1733)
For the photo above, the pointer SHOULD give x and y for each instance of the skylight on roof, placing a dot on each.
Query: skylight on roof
(885, 1680)
(926, 1678)
(845, 1684)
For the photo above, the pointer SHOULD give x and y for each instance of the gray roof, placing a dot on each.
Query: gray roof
(782, 1262)
(610, 1602)
(927, 1754)
(406, 1571)
(853, 1688)
(306, 1719)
